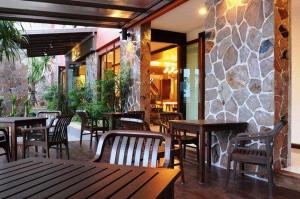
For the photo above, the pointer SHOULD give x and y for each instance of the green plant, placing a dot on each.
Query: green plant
(13, 106)
(106, 90)
(36, 72)
(1, 105)
(77, 98)
(51, 96)
(124, 84)
(10, 39)
(27, 108)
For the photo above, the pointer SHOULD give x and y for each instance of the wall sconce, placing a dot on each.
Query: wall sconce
(125, 34)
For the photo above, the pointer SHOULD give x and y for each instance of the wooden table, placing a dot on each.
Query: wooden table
(46, 178)
(204, 127)
(113, 116)
(13, 123)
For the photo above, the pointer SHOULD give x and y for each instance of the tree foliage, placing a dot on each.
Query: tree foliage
(10, 39)
(39, 65)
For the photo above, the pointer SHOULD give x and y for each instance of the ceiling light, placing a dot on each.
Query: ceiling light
(203, 11)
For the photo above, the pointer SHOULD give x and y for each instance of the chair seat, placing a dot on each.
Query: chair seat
(187, 140)
(249, 155)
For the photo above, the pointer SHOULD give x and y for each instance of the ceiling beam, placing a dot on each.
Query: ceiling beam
(93, 4)
(58, 11)
(53, 20)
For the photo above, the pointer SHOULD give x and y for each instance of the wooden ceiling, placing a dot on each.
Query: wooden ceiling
(96, 13)
(54, 42)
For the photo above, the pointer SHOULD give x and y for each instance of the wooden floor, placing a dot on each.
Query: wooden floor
(213, 189)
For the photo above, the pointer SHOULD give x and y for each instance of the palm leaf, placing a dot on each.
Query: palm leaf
(10, 40)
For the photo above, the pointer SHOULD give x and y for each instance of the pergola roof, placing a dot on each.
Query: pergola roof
(96, 13)
(54, 41)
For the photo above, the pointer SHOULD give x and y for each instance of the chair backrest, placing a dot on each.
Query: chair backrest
(165, 117)
(84, 117)
(135, 114)
(51, 115)
(60, 132)
(278, 126)
(135, 148)
(133, 124)
(4, 135)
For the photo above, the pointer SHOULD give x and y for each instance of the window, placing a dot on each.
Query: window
(110, 60)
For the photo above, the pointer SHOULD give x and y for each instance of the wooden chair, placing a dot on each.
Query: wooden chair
(51, 115)
(180, 138)
(91, 126)
(54, 139)
(135, 114)
(133, 124)
(135, 148)
(4, 143)
(239, 153)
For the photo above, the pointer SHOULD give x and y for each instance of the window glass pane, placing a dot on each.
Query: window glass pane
(117, 69)
(117, 56)
(191, 82)
(103, 65)
(110, 60)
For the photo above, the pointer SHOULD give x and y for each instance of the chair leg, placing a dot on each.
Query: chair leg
(67, 150)
(181, 165)
(24, 151)
(81, 132)
(184, 150)
(91, 140)
(198, 152)
(234, 169)
(270, 179)
(47, 152)
(7, 152)
(228, 172)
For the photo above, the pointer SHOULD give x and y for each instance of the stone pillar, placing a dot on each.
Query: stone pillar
(91, 72)
(136, 56)
(239, 67)
(282, 79)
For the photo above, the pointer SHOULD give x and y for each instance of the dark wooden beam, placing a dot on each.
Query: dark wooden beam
(53, 20)
(93, 4)
(58, 11)
(154, 12)
(168, 36)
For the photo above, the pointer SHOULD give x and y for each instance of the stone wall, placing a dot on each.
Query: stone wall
(13, 79)
(136, 56)
(282, 78)
(239, 67)
(92, 66)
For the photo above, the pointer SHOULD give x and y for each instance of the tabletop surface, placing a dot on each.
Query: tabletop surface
(49, 178)
(15, 119)
(209, 122)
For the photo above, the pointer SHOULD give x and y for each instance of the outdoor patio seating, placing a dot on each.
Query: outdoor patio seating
(92, 126)
(54, 139)
(4, 143)
(135, 148)
(240, 153)
(133, 124)
(182, 139)
(135, 114)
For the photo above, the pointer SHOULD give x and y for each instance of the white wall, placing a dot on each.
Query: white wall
(295, 44)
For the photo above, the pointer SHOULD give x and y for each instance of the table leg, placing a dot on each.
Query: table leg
(14, 144)
(202, 154)
(209, 149)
